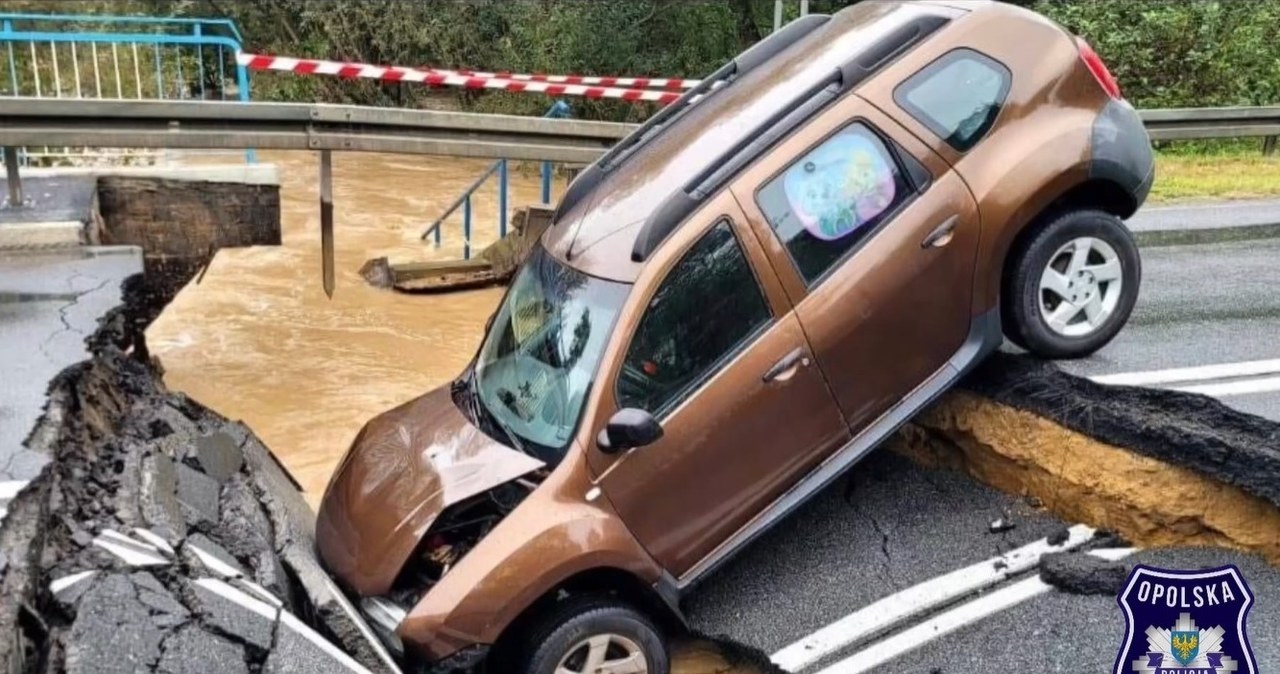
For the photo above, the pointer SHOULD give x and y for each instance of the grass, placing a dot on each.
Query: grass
(1233, 173)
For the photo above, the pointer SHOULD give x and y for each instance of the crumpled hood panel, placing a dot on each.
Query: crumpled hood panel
(404, 468)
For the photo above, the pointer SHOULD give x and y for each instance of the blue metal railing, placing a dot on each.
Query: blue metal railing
(547, 170)
(102, 56)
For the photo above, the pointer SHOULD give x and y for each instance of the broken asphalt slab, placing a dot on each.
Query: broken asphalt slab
(153, 537)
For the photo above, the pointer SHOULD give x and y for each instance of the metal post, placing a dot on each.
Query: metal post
(466, 228)
(547, 169)
(326, 220)
(804, 7)
(502, 198)
(11, 172)
(1269, 146)
(777, 15)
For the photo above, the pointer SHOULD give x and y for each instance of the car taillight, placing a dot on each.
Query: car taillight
(1098, 68)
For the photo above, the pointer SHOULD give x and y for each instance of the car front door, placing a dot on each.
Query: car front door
(717, 355)
(875, 240)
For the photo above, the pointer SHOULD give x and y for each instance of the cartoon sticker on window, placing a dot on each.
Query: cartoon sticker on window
(840, 185)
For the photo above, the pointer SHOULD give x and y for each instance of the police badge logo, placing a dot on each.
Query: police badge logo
(1185, 622)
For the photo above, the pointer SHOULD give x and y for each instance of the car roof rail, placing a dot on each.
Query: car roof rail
(677, 207)
(752, 58)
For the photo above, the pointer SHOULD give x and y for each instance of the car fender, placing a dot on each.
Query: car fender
(553, 535)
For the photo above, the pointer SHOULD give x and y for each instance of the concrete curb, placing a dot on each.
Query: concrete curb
(1196, 223)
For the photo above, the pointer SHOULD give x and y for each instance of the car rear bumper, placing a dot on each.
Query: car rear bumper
(1121, 152)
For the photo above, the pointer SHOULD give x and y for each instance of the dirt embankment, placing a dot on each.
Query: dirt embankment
(1160, 468)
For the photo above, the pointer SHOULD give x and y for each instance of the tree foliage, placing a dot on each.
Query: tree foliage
(1165, 53)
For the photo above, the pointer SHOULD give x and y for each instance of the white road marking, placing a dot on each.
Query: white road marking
(1253, 368)
(1234, 388)
(65, 582)
(256, 589)
(212, 562)
(9, 489)
(895, 609)
(949, 621)
(240, 598)
(155, 540)
(132, 552)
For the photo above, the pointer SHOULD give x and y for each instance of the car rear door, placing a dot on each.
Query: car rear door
(716, 353)
(874, 238)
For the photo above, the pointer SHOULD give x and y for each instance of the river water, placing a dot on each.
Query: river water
(258, 340)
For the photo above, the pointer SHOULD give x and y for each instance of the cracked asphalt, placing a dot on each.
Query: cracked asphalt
(49, 302)
(891, 524)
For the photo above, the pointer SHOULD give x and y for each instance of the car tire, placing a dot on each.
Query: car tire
(1072, 286)
(579, 627)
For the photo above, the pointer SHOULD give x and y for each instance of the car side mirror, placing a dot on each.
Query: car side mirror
(627, 429)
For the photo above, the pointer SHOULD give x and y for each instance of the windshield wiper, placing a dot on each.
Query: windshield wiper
(481, 411)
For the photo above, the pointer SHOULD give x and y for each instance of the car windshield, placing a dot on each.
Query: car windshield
(540, 355)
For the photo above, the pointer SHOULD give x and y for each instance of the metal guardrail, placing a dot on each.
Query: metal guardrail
(1200, 123)
(297, 126)
(292, 126)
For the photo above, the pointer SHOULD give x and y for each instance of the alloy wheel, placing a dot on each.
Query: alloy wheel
(604, 654)
(1080, 287)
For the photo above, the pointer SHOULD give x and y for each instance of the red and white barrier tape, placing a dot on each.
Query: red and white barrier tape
(446, 78)
(667, 83)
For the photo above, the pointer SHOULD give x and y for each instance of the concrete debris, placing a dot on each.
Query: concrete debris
(175, 541)
(199, 494)
(199, 551)
(218, 455)
(235, 613)
(194, 651)
(1081, 573)
(113, 631)
(159, 494)
(1059, 537)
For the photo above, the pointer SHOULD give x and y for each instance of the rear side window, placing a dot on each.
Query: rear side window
(709, 306)
(832, 198)
(958, 96)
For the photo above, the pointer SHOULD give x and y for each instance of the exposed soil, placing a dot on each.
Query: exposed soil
(1148, 501)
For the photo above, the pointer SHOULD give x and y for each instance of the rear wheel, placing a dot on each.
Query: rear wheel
(594, 635)
(1073, 285)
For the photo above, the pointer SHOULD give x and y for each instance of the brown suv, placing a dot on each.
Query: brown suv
(732, 307)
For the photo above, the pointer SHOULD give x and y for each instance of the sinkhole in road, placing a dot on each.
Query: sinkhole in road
(1159, 468)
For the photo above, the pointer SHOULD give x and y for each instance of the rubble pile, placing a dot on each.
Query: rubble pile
(163, 538)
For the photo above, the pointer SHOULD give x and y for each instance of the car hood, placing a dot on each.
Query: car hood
(403, 469)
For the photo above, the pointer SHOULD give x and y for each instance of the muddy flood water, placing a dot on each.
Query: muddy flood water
(257, 339)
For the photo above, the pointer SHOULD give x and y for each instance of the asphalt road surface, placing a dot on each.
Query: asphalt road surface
(1208, 320)
(1205, 305)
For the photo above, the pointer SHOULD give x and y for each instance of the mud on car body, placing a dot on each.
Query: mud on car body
(733, 306)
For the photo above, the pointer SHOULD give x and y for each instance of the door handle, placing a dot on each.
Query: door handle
(942, 234)
(787, 366)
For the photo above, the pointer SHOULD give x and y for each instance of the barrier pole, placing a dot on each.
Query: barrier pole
(502, 198)
(326, 220)
(11, 172)
(546, 182)
(466, 228)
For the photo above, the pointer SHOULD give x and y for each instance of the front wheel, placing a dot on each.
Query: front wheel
(1073, 285)
(589, 635)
